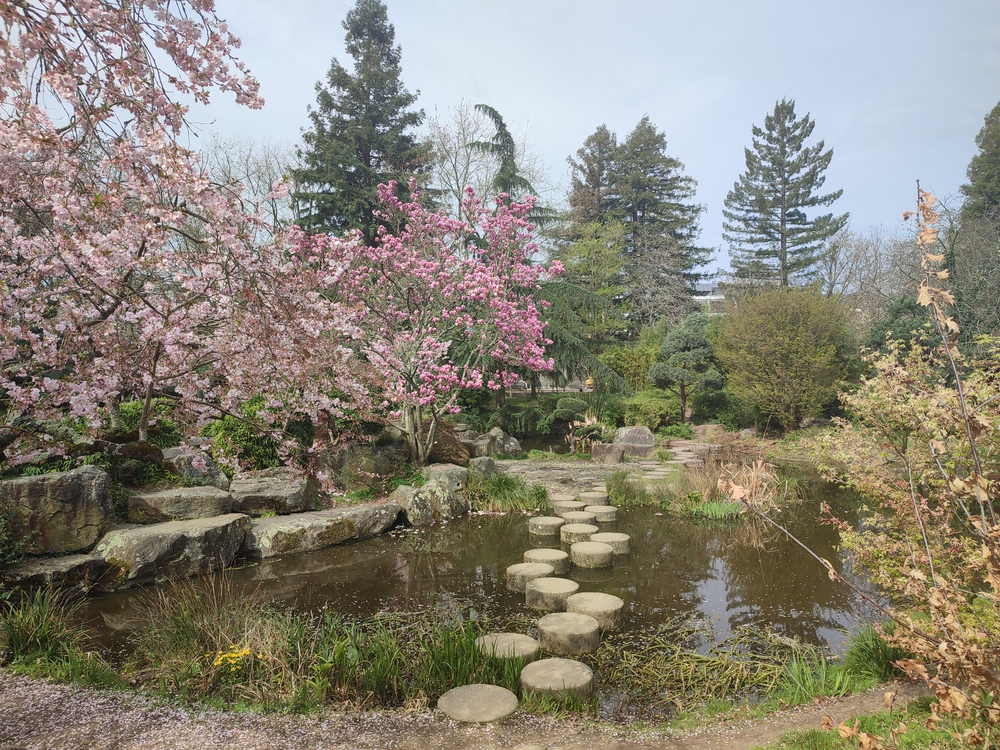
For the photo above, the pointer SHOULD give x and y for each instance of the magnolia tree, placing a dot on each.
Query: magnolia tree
(443, 305)
(125, 273)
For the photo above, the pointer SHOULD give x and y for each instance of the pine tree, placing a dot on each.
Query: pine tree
(591, 194)
(769, 234)
(983, 191)
(361, 130)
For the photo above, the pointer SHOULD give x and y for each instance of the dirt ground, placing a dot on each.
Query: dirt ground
(35, 714)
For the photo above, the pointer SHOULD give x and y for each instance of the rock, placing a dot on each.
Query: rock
(484, 445)
(519, 574)
(81, 571)
(594, 498)
(592, 554)
(560, 497)
(178, 504)
(619, 543)
(568, 634)
(607, 453)
(604, 608)
(176, 549)
(429, 504)
(505, 444)
(603, 513)
(579, 516)
(197, 466)
(545, 525)
(559, 678)
(749, 432)
(636, 442)
(483, 466)
(476, 704)
(272, 494)
(306, 532)
(449, 449)
(359, 465)
(508, 646)
(558, 559)
(67, 511)
(567, 506)
(549, 594)
(451, 476)
(577, 532)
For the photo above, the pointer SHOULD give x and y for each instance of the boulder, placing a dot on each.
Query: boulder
(272, 494)
(359, 465)
(67, 511)
(454, 478)
(81, 571)
(305, 532)
(636, 441)
(505, 445)
(484, 466)
(484, 445)
(429, 504)
(178, 504)
(447, 448)
(607, 453)
(196, 466)
(172, 550)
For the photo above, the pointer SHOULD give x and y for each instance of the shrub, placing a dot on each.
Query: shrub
(163, 431)
(524, 418)
(682, 431)
(505, 492)
(652, 408)
(247, 441)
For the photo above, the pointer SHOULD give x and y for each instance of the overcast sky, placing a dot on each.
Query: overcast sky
(898, 88)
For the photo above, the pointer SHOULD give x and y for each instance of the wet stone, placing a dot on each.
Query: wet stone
(568, 634)
(579, 516)
(567, 506)
(508, 646)
(477, 704)
(577, 532)
(605, 608)
(592, 554)
(603, 513)
(619, 543)
(519, 574)
(545, 525)
(558, 559)
(549, 594)
(557, 677)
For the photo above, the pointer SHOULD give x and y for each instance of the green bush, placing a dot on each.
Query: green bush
(163, 431)
(505, 492)
(246, 440)
(524, 417)
(653, 408)
(682, 431)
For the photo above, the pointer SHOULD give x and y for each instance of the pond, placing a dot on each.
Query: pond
(744, 574)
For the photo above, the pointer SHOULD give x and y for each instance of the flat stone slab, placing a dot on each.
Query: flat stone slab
(618, 542)
(82, 571)
(557, 677)
(272, 495)
(545, 525)
(561, 497)
(594, 498)
(476, 704)
(592, 554)
(549, 594)
(306, 532)
(605, 608)
(508, 646)
(577, 532)
(565, 506)
(579, 516)
(568, 634)
(558, 559)
(519, 574)
(178, 504)
(603, 513)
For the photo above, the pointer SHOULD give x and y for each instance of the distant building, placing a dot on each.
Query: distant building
(709, 296)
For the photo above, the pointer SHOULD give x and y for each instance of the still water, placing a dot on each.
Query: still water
(733, 575)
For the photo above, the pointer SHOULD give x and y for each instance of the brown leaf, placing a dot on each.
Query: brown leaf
(847, 732)
(827, 724)
(889, 698)
(869, 741)
(923, 295)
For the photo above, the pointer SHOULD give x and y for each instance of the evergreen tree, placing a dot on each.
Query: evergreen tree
(591, 194)
(361, 130)
(983, 191)
(686, 365)
(769, 234)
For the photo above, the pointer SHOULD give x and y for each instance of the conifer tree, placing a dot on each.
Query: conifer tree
(770, 236)
(982, 193)
(591, 194)
(361, 133)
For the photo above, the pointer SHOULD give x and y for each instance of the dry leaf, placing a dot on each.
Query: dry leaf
(827, 723)
(847, 732)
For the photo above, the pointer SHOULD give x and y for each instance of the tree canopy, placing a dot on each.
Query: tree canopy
(982, 192)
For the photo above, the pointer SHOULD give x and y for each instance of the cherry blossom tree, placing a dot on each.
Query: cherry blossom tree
(125, 271)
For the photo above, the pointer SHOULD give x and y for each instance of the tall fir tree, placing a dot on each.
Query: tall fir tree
(592, 193)
(982, 193)
(770, 236)
(361, 133)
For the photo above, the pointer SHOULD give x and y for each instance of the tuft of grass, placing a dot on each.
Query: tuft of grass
(559, 708)
(501, 492)
(870, 656)
(808, 675)
(715, 510)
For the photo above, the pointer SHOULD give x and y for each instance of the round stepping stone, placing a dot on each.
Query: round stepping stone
(519, 574)
(558, 678)
(594, 498)
(475, 704)
(603, 513)
(604, 608)
(558, 559)
(565, 506)
(568, 634)
(579, 516)
(545, 525)
(600, 487)
(619, 543)
(549, 594)
(561, 497)
(508, 646)
(577, 532)
(592, 554)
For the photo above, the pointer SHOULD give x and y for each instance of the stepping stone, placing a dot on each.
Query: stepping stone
(649, 464)
(178, 504)
(603, 513)
(600, 488)
(549, 594)
(476, 704)
(565, 506)
(579, 516)
(619, 543)
(568, 634)
(519, 574)
(508, 646)
(557, 677)
(604, 608)
(577, 532)
(594, 498)
(592, 554)
(560, 497)
(307, 532)
(558, 559)
(545, 525)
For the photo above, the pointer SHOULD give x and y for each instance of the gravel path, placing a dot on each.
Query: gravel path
(37, 715)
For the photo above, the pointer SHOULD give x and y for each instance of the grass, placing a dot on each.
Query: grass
(536, 455)
(869, 655)
(807, 676)
(501, 492)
